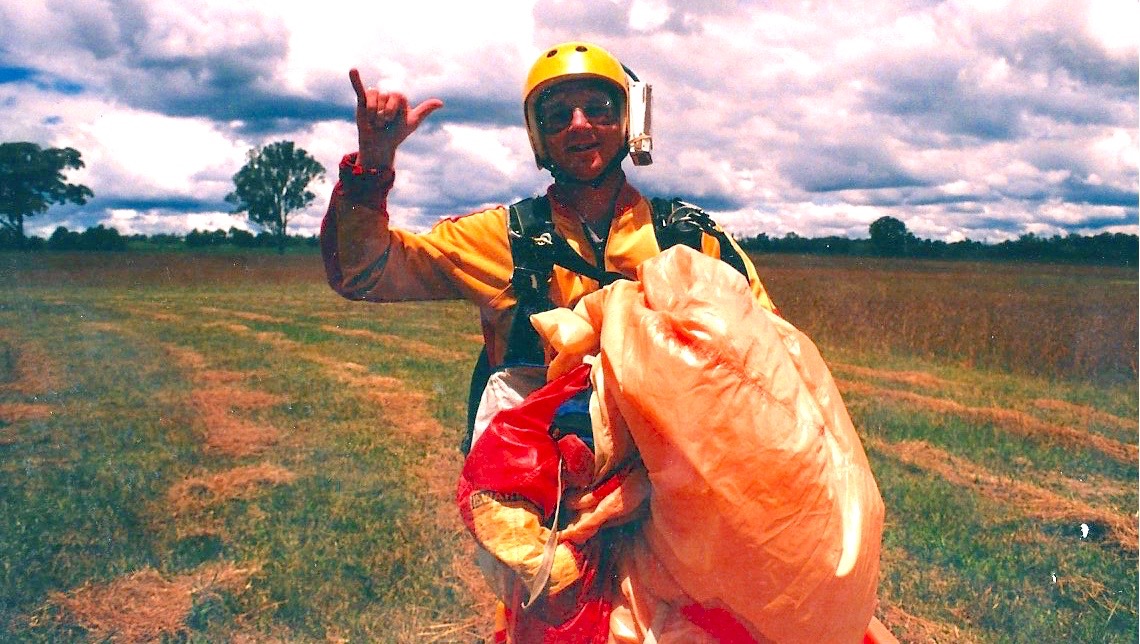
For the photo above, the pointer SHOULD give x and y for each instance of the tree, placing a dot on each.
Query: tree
(889, 236)
(31, 180)
(273, 183)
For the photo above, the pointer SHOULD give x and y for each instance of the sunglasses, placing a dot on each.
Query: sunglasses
(556, 116)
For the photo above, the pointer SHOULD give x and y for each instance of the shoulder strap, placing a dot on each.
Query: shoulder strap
(529, 227)
(535, 248)
(678, 222)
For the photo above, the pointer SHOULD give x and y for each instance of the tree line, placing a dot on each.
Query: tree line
(1108, 249)
(890, 238)
(103, 238)
(274, 182)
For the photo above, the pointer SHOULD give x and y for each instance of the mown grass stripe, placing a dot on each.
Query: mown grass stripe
(1007, 419)
(1030, 499)
(912, 628)
(409, 345)
(910, 378)
(28, 367)
(401, 404)
(1087, 415)
(197, 492)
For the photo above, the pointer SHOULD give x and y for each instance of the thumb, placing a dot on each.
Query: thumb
(423, 110)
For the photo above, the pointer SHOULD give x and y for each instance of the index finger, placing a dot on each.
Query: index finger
(357, 86)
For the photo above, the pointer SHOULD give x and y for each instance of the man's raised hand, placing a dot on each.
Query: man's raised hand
(383, 121)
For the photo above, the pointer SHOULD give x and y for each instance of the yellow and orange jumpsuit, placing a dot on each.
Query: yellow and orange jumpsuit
(470, 256)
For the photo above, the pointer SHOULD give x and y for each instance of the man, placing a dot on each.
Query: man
(594, 584)
(576, 103)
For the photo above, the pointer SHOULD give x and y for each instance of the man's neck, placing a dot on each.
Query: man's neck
(594, 204)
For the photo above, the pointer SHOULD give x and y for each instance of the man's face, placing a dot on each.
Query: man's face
(580, 124)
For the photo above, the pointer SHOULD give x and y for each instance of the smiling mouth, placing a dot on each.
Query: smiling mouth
(582, 147)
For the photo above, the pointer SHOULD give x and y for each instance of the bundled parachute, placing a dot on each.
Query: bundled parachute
(720, 492)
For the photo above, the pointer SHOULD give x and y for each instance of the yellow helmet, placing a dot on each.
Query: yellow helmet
(564, 62)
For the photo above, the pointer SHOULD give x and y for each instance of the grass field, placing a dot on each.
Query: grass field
(217, 448)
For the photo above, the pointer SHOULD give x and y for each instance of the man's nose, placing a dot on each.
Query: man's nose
(578, 118)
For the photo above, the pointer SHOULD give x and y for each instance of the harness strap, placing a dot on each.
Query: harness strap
(566, 257)
(531, 231)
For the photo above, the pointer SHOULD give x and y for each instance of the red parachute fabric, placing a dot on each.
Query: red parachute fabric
(513, 469)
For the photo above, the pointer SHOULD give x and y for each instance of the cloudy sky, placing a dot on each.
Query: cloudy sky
(982, 120)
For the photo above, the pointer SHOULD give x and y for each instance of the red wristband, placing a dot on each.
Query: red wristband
(358, 170)
(365, 186)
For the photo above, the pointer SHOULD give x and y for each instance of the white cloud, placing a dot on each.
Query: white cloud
(647, 15)
(1113, 23)
(155, 155)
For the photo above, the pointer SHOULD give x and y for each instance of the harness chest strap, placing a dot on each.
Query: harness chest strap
(536, 247)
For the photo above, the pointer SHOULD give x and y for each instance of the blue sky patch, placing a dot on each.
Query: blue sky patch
(14, 74)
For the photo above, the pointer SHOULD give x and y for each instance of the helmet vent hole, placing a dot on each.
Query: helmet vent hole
(580, 48)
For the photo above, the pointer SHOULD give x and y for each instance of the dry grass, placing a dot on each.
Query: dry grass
(1086, 415)
(105, 327)
(932, 314)
(244, 315)
(473, 629)
(234, 398)
(405, 410)
(917, 630)
(1090, 487)
(32, 371)
(164, 269)
(223, 376)
(237, 483)
(910, 378)
(185, 358)
(232, 327)
(1026, 497)
(17, 412)
(405, 345)
(275, 339)
(145, 606)
(228, 433)
(1008, 419)
(150, 314)
(439, 472)
(1047, 320)
(221, 403)
(29, 373)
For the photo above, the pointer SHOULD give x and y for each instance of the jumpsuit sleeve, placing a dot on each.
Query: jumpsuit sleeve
(711, 247)
(463, 257)
(754, 282)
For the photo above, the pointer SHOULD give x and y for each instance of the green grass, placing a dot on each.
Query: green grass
(362, 544)
(972, 563)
